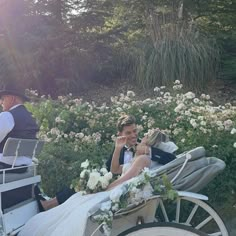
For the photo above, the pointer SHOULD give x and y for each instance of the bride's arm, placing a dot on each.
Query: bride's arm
(137, 166)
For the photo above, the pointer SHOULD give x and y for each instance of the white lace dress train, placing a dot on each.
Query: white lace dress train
(68, 219)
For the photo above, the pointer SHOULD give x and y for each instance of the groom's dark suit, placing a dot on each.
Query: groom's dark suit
(157, 155)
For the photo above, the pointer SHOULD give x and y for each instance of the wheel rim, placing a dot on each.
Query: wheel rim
(162, 229)
(192, 212)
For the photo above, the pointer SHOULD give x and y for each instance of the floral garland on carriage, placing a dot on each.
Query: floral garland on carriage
(134, 192)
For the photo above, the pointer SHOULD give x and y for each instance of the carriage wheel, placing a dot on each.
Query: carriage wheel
(192, 212)
(162, 229)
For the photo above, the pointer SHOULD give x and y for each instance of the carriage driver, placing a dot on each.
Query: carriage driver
(15, 122)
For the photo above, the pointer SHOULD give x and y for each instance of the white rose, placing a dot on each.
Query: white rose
(108, 176)
(189, 95)
(177, 82)
(104, 182)
(234, 145)
(203, 123)
(147, 191)
(116, 194)
(93, 180)
(85, 164)
(82, 174)
(106, 206)
(233, 131)
(79, 135)
(115, 207)
(148, 172)
(103, 171)
(130, 94)
(137, 197)
(180, 107)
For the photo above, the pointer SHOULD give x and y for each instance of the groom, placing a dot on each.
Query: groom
(125, 145)
(123, 153)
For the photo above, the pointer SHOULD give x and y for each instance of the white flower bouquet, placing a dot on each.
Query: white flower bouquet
(92, 180)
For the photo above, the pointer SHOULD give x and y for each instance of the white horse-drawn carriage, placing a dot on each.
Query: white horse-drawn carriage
(188, 215)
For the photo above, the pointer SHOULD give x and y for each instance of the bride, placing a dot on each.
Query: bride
(70, 218)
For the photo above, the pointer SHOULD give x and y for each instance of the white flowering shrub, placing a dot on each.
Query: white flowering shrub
(76, 130)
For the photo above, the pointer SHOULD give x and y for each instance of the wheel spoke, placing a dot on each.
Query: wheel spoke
(164, 211)
(199, 215)
(191, 214)
(177, 211)
(216, 234)
(204, 222)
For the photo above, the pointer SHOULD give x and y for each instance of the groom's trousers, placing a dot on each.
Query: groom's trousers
(64, 194)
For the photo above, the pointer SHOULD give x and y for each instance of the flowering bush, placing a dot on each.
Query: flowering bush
(92, 180)
(76, 130)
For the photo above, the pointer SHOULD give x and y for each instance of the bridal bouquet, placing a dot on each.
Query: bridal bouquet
(92, 180)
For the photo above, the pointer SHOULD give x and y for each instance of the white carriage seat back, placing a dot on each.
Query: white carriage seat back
(195, 153)
(15, 148)
(197, 173)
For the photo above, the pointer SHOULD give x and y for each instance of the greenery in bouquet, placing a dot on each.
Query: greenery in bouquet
(92, 179)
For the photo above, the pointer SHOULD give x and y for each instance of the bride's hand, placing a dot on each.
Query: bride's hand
(142, 149)
(144, 140)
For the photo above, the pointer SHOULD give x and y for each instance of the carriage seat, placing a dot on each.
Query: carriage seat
(194, 174)
(17, 187)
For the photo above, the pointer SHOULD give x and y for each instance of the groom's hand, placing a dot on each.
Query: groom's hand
(121, 141)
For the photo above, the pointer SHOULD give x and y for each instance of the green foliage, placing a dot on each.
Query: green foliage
(57, 46)
(162, 186)
(60, 163)
(189, 58)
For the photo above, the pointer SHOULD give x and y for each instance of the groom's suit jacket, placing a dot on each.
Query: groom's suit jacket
(157, 155)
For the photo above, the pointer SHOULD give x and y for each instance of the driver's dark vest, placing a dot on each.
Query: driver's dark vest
(25, 125)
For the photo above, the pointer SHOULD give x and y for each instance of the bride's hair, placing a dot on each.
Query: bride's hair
(156, 137)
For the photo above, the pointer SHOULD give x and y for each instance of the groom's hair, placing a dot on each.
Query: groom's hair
(125, 120)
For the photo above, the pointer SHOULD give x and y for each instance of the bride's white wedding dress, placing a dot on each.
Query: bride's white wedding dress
(70, 218)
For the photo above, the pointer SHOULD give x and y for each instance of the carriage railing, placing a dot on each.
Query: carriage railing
(15, 214)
